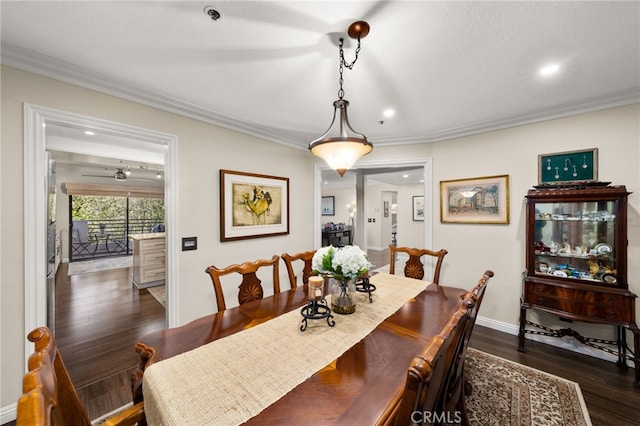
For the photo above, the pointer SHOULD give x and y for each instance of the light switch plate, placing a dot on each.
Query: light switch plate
(189, 243)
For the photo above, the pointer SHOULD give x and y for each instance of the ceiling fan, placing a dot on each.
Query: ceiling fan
(120, 175)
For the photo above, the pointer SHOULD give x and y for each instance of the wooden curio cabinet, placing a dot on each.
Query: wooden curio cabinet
(576, 265)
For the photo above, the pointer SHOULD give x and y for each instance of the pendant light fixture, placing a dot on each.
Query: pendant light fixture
(342, 146)
(120, 176)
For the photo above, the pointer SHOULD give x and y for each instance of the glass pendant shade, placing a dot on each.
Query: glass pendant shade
(341, 146)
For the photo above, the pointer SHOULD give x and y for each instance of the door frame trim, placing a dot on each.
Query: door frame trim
(35, 206)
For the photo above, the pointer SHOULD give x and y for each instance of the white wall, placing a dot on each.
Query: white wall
(475, 248)
(204, 149)
(343, 196)
(410, 233)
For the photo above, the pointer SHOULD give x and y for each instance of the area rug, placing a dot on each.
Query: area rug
(159, 293)
(98, 265)
(507, 393)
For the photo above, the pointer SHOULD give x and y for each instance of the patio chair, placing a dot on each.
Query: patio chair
(80, 241)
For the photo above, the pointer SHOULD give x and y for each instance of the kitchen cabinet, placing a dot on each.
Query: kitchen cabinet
(149, 255)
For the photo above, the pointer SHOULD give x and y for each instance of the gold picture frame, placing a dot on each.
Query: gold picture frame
(253, 205)
(475, 200)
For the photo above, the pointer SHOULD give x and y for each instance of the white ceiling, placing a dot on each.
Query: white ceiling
(270, 68)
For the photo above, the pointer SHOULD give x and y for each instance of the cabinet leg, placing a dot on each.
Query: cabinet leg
(622, 347)
(636, 356)
(523, 318)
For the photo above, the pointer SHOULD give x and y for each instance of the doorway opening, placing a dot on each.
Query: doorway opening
(112, 137)
(355, 184)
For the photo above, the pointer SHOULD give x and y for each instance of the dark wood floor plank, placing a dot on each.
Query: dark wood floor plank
(99, 318)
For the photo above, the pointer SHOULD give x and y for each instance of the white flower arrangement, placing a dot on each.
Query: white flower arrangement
(342, 263)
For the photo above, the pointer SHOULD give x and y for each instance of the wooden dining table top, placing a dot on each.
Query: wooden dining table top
(362, 386)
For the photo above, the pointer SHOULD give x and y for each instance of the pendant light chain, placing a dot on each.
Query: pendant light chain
(341, 146)
(344, 63)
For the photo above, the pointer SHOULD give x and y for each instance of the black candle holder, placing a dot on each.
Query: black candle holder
(314, 310)
(364, 286)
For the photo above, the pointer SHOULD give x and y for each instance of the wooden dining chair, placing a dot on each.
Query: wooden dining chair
(49, 397)
(250, 287)
(414, 268)
(423, 400)
(458, 386)
(307, 270)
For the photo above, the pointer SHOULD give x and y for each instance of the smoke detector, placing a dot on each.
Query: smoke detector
(212, 13)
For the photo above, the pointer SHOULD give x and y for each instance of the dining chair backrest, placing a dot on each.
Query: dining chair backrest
(303, 258)
(456, 393)
(414, 268)
(250, 287)
(49, 397)
(430, 372)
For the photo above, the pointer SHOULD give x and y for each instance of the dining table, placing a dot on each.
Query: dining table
(253, 364)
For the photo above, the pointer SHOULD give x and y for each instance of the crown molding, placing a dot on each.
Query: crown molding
(47, 66)
(610, 100)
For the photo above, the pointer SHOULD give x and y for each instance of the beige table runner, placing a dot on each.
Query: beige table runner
(230, 380)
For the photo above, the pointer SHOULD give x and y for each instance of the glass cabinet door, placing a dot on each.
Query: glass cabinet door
(576, 240)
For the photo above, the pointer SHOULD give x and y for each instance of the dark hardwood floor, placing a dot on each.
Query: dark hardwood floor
(101, 315)
(99, 318)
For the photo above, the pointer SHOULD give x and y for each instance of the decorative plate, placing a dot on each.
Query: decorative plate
(603, 248)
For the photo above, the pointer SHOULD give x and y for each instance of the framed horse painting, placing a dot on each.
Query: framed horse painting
(253, 205)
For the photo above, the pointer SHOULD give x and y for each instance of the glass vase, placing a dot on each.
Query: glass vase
(343, 299)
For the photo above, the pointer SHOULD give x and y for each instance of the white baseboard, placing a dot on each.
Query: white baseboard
(8, 413)
(376, 248)
(569, 343)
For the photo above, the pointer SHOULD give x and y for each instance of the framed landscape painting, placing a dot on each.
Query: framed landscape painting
(253, 205)
(418, 207)
(475, 200)
(328, 205)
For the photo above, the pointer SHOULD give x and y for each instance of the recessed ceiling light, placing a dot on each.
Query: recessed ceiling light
(89, 132)
(405, 176)
(388, 112)
(549, 69)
